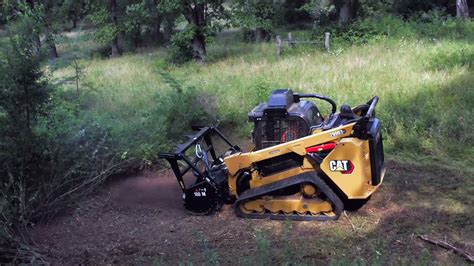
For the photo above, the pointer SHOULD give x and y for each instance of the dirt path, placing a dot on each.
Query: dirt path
(141, 220)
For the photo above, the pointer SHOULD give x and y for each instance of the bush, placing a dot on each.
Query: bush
(181, 46)
(431, 25)
(48, 160)
(141, 126)
(375, 28)
(407, 8)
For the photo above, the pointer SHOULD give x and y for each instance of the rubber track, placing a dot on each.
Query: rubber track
(313, 178)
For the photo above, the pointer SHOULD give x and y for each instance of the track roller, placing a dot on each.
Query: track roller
(315, 201)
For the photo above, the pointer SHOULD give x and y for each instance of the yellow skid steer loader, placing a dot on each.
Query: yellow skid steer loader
(303, 166)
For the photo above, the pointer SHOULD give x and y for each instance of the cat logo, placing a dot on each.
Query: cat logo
(343, 166)
(338, 133)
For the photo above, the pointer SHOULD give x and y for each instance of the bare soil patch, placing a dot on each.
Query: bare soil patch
(141, 219)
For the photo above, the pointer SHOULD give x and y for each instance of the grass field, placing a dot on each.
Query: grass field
(425, 85)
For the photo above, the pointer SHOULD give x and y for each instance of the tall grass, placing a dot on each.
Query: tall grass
(424, 80)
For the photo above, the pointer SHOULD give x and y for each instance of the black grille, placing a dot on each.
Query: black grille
(273, 132)
(278, 164)
(376, 158)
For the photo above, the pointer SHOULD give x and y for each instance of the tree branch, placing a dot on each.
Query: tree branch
(448, 246)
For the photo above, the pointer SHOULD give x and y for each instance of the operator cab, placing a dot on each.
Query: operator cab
(283, 118)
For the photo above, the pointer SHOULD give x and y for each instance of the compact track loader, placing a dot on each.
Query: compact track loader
(303, 167)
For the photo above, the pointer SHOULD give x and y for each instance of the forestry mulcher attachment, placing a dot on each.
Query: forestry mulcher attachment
(303, 166)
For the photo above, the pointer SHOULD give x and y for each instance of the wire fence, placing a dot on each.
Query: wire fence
(292, 42)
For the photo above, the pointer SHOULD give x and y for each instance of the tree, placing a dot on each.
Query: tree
(74, 10)
(25, 19)
(153, 17)
(136, 15)
(23, 92)
(320, 11)
(36, 19)
(462, 9)
(255, 15)
(347, 10)
(169, 18)
(24, 96)
(148, 16)
(106, 18)
(294, 11)
(202, 17)
(113, 9)
(51, 21)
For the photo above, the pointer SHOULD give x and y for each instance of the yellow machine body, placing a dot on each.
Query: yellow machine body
(355, 185)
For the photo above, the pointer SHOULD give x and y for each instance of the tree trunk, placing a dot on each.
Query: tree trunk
(53, 52)
(346, 11)
(355, 9)
(137, 37)
(462, 10)
(259, 32)
(35, 37)
(115, 48)
(158, 35)
(196, 16)
(74, 20)
(36, 45)
(168, 29)
(199, 48)
(115, 43)
(262, 35)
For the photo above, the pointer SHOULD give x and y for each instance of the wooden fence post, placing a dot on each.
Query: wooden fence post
(278, 45)
(326, 41)
(291, 44)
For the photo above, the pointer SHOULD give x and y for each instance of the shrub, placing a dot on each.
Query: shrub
(432, 25)
(48, 160)
(181, 46)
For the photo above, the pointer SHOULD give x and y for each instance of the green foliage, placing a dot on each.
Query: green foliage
(433, 25)
(376, 28)
(142, 127)
(320, 11)
(48, 160)
(106, 30)
(204, 18)
(325, 12)
(257, 18)
(294, 12)
(23, 92)
(409, 64)
(136, 16)
(370, 8)
(23, 98)
(75, 10)
(36, 19)
(181, 45)
(27, 23)
(408, 8)
(254, 14)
